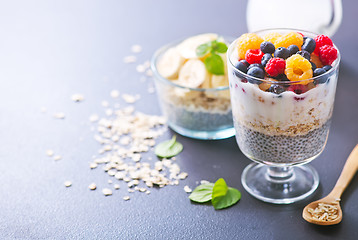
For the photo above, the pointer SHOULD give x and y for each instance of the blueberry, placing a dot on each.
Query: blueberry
(277, 89)
(265, 58)
(313, 66)
(256, 65)
(318, 72)
(293, 49)
(282, 52)
(255, 72)
(245, 62)
(327, 67)
(282, 77)
(309, 44)
(304, 54)
(241, 66)
(267, 47)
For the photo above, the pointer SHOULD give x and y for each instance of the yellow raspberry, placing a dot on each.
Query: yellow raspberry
(291, 38)
(272, 37)
(248, 41)
(298, 68)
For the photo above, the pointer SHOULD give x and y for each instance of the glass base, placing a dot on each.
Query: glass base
(279, 185)
(204, 135)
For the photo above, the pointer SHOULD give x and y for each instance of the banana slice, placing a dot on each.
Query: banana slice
(206, 83)
(188, 47)
(170, 64)
(193, 74)
(219, 81)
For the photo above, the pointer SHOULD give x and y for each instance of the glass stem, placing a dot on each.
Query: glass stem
(279, 174)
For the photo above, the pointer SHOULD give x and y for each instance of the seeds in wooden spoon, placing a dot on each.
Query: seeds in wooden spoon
(324, 212)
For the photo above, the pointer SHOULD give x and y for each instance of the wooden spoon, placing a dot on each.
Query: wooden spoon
(333, 198)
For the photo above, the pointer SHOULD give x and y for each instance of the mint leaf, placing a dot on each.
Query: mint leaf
(232, 196)
(202, 193)
(220, 47)
(220, 188)
(169, 148)
(215, 64)
(203, 49)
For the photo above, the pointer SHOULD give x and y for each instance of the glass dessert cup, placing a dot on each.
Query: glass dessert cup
(281, 132)
(200, 113)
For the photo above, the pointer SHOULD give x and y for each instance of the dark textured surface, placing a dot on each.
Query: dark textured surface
(50, 50)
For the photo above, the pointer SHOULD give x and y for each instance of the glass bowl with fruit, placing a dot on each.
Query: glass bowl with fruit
(282, 85)
(192, 86)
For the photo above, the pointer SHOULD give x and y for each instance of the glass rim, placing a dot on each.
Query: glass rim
(161, 50)
(278, 82)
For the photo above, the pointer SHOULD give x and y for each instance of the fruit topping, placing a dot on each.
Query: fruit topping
(327, 67)
(265, 58)
(313, 66)
(256, 72)
(291, 38)
(256, 65)
(275, 66)
(293, 49)
(298, 68)
(242, 66)
(277, 89)
(304, 54)
(267, 47)
(298, 88)
(193, 74)
(322, 40)
(248, 41)
(309, 44)
(281, 52)
(327, 54)
(315, 59)
(272, 37)
(319, 72)
(253, 56)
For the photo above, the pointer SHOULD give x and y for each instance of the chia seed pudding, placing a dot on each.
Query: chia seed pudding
(286, 127)
(195, 101)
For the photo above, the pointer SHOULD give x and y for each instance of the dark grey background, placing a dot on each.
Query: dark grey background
(50, 50)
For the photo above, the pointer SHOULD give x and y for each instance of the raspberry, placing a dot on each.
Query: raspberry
(315, 59)
(272, 37)
(253, 56)
(298, 69)
(327, 54)
(298, 88)
(291, 38)
(248, 41)
(275, 66)
(322, 40)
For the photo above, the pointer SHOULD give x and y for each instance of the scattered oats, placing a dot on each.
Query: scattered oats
(150, 158)
(130, 184)
(142, 189)
(129, 59)
(129, 98)
(57, 157)
(126, 179)
(116, 186)
(136, 48)
(77, 97)
(115, 138)
(183, 175)
(107, 191)
(126, 198)
(59, 115)
(114, 93)
(112, 173)
(204, 182)
(68, 183)
(136, 157)
(149, 73)
(140, 68)
(92, 186)
(110, 181)
(187, 189)
(125, 140)
(93, 165)
(136, 188)
(135, 182)
(43, 109)
(105, 104)
(49, 153)
(147, 192)
(131, 190)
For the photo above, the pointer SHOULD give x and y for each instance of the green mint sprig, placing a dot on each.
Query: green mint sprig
(220, 194)
(213, 62)
(169, 148)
